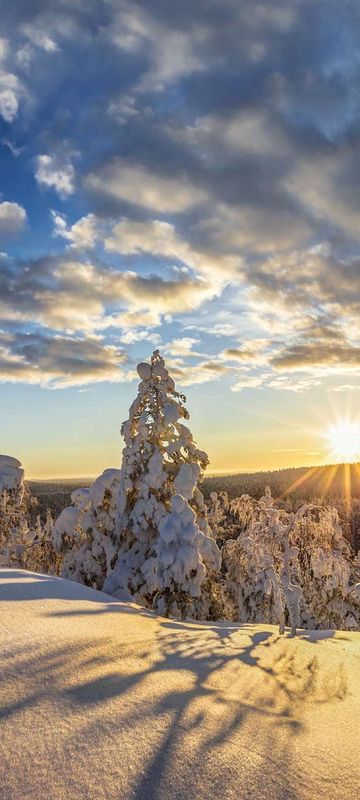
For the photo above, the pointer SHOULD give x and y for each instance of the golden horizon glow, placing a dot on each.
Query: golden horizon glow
(343, 438)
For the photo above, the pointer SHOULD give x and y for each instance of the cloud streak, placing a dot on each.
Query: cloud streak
(59, 361)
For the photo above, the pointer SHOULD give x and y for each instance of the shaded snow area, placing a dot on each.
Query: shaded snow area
(103, 700)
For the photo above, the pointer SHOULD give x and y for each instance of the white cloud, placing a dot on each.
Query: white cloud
(345, 387)
(55, 172)
(251, 132)
(15, 151)
(39, 37)
(24, 56)
(255, 228)
(248, 382)
(161, 239)
(182, 347)
(318, 184)
(10, 92)
(172, 53)
(12, 218)
(131, 337)
(251, 352)
(199, 373)
(8, 104)
(139, 185)
(10, 87)
(68, 294)
(59, 361)
(129, 320)
(290, 384)
(82, 235)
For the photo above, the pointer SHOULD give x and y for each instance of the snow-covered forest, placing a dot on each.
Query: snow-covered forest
(144, 533)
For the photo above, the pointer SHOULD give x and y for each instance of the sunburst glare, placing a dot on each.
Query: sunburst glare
(343, 438)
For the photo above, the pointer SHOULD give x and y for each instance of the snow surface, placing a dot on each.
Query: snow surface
(103, 700)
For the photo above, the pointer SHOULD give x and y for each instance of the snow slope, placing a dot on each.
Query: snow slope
(100, 699)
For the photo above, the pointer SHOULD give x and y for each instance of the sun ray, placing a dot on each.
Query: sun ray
(347, 487)
(299, 481)
(357, 470)
(328, 480)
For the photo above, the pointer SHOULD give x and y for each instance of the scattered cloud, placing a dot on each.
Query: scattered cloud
(182, 347)
(56, 172)
(303, 356)
(83, 234)
(10, 91)
(161, 239)
(39, 37)
(59, 361)
(15, 151)
(248, 382)
(345, 387)
(12, 218)
(68, 294)
(144, 187)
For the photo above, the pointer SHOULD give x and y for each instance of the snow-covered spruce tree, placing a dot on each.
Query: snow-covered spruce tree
(166, 555)
(141, 532)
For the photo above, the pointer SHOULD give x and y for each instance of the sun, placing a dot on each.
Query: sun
(344, 440)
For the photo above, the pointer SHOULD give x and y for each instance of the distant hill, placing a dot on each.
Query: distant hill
(326, 482)
(331, 483)
(55, 495)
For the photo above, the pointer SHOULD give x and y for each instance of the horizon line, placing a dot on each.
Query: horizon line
(210, 474)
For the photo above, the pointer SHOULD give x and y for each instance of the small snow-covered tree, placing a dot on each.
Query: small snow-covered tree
(40, 555)
(85, 532)
(262, 564)
(160, 460)
(14, 516)
(22, 543)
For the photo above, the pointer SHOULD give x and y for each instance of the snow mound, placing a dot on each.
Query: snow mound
(11, 473)
(107, 700)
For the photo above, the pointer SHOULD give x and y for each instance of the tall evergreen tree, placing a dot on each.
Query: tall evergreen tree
(155, 545)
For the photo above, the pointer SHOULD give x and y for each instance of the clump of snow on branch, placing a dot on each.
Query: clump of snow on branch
(85, 532)
(180, 569)
(228, 518)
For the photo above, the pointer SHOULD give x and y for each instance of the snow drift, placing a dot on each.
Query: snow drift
(99, 699)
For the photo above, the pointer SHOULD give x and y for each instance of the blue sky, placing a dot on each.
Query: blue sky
(186, 177)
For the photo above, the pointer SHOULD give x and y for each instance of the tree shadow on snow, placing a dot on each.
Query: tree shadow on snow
(201, 692)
